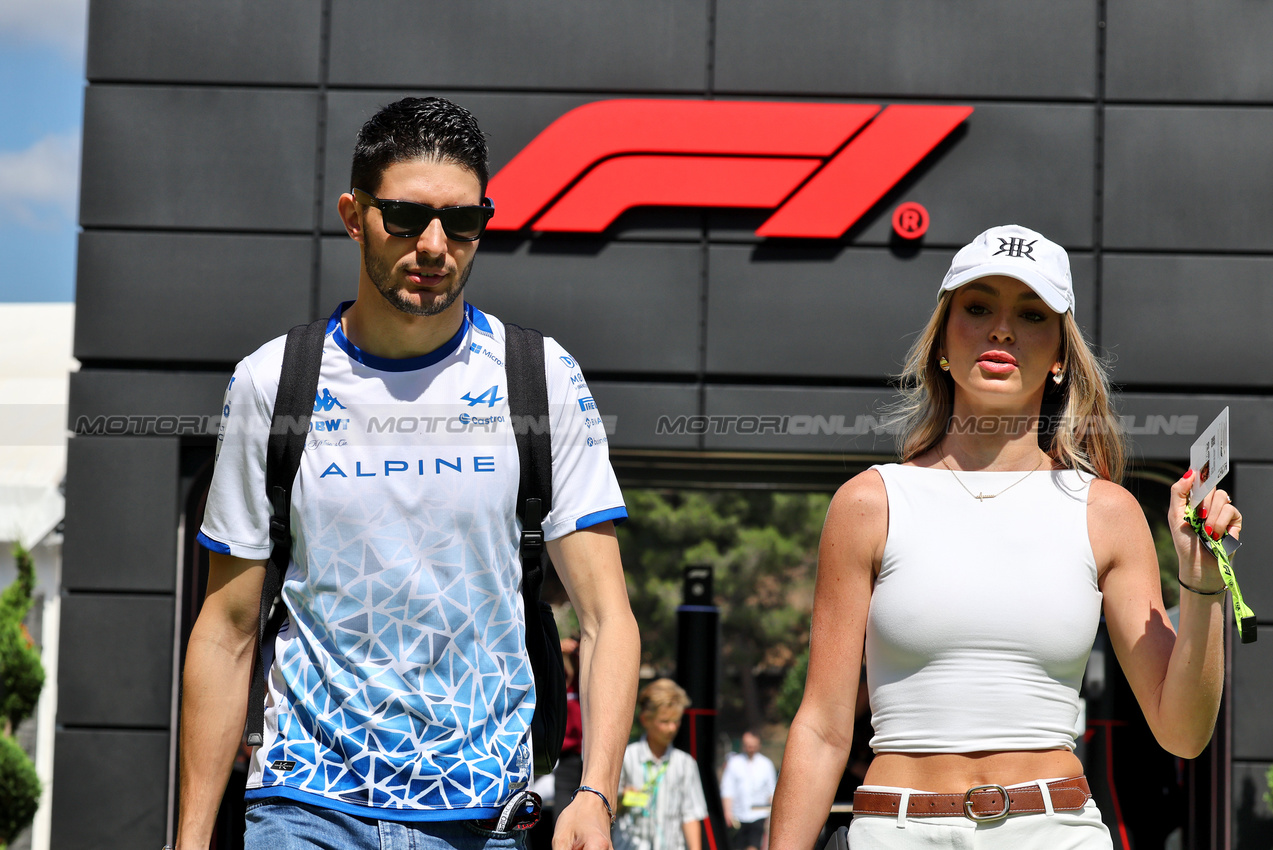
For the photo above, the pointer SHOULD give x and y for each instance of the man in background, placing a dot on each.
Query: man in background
(746, 790)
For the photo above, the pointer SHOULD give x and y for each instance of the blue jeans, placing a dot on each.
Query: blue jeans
(279, 824)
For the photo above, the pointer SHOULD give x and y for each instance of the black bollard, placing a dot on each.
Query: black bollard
(698, 672)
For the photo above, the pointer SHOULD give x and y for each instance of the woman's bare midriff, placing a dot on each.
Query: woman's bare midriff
(949, 773)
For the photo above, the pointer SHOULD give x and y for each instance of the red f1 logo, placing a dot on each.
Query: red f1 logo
(822, 165)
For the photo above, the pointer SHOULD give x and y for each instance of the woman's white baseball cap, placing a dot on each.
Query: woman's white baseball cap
(1017, 252)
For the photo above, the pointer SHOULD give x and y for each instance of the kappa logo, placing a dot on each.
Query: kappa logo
(325, 402)
(1015, 246)
(820, 166)
(282, 766)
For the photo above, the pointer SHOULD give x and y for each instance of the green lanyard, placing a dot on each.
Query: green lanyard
(1242, 615)
(652, 783)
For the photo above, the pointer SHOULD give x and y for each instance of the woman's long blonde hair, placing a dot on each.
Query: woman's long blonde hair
(1078, 428)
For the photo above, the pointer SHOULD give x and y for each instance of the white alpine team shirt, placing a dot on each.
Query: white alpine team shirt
(399, 686)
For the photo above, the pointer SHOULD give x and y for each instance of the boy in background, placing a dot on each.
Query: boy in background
(661, 798)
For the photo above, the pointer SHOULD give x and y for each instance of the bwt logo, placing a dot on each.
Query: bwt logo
(821, 165)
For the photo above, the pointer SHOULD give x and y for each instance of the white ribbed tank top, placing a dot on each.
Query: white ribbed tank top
(983, 614)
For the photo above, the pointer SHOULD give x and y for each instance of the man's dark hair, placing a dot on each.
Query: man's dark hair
(418, 128)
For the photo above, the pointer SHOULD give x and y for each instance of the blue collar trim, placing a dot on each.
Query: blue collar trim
(387, 364)
(478, 318)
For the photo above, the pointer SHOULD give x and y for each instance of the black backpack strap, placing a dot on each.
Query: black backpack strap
(528, 406)
(293, 406)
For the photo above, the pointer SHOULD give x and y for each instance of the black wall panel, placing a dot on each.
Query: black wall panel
(214, 158)
(205, 41)
(143, 396)
(617, 307)
(112, 789)
(637, 408)
(225, 294)
(788, 311)
(338, 279)
(1252, 684)
(121, 639)
(797, 419)
(1252, 818)
(535, 44)
(623, 307)
(121, 508)
(1252, 486)
(1150, 305)
(776, 311)
(1188, 179)
(994, 169)
(910, 48)
(1164, 426)
(1208, 50)
(1252, 689)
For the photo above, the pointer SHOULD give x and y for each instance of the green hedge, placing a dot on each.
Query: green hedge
(19, 789)
(21, 673)
(21, 678)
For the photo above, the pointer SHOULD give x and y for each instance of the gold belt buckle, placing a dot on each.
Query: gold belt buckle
(993, 816)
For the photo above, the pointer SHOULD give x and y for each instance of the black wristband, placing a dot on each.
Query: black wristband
(1222, 589)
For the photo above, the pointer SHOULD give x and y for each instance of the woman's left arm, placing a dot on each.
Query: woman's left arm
(1177, 678)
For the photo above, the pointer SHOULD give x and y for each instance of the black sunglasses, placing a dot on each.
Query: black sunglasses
(408, 220)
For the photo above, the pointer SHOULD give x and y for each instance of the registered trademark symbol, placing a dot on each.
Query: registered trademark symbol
(910, 220)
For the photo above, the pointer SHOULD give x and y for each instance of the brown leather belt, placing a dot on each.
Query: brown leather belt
(980, 803)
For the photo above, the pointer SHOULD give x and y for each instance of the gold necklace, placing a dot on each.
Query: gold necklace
(981, 497)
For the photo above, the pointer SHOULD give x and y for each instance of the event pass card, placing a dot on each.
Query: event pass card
(1209, 459)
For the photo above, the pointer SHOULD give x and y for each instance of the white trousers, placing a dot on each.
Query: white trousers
(1080, 830)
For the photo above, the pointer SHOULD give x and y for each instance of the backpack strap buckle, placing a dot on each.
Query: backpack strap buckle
(532, 528)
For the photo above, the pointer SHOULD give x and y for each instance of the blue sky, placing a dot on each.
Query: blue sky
(41, 106)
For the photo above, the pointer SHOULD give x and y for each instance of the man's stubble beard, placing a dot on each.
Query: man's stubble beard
(381, 275)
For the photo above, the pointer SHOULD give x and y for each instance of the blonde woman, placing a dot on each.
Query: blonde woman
(974, 574)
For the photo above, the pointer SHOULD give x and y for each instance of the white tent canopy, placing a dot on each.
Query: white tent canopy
(35, 367)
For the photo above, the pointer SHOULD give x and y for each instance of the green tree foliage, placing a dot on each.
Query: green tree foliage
(762, 547)
(22, 677)
(19, 790)
(21, 673)
(792, 690)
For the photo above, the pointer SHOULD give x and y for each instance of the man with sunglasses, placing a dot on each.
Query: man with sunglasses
(399, 693)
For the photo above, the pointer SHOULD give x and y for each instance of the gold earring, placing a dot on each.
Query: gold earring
(943, 363)
(1058, 376)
